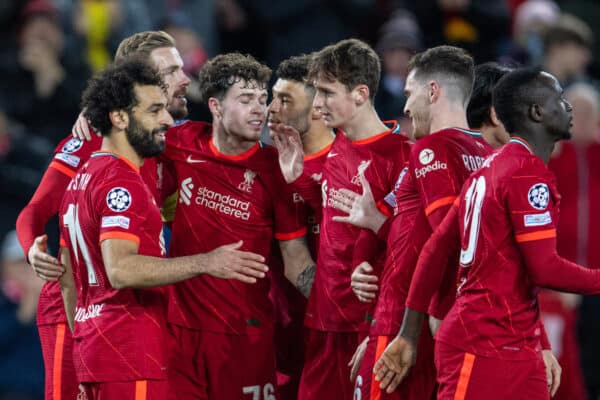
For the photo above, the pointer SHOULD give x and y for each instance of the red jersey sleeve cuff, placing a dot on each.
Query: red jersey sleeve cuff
(444, 201)
(119, 235)
(291, 235)
(61, 168)
(384, 230)
(539, 235)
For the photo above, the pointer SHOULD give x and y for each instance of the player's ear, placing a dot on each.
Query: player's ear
(433, 94)
(360, 94)
(119, 119)
(536, 112)
(494, 117)
(215, 107)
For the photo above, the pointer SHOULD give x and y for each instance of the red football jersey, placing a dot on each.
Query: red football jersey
(438, 166)
(69, 155)
(332, 306)
(119, 334)
(224, 199)
(511, 200)
(577, 171)
(313, 167)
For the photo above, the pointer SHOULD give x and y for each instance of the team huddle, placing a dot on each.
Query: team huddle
(345, 261)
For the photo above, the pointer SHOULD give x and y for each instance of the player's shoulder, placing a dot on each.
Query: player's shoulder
(186, 131)
(74, 151)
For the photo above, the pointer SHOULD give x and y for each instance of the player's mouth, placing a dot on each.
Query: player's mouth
(180, 95)
(256, 124)
(160, 133)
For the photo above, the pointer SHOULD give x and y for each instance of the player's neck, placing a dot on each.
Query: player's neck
(317, 137)
(364, 124)
(117, 143)
(448, 116)
(539, 145)
(229, 144)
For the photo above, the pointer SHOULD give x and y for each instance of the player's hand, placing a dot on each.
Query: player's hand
(81, 128)
(395, 362)
(553, 371)
(364, 282)
(361, 208)
(354, 363)
(291, 153)
(44, 265)
(228, 262)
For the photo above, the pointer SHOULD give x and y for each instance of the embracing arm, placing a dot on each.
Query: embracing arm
(67, 288)
(127, 269)
(299, 267)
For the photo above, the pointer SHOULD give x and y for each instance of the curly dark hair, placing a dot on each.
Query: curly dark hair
(351, 62)
(223, 71)
(113, 89)
(486, 77)
(451, 63)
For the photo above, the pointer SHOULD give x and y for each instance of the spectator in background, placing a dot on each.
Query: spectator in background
(190, 46)
(399, 40)
(480, 26)
(576, 165)
(23, 158)
(41, 87)
(532, 19)
(289, 28)
(21, 366)
(102, 24)
(567, 45)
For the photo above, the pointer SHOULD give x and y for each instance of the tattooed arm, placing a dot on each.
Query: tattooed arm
(299, 266)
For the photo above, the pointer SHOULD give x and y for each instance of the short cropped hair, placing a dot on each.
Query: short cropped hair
(296, 69)
(515, 93)
(143, 43)
(114, 89)
(223, 71)
(450, 65)
(487, 76)
(351, 62)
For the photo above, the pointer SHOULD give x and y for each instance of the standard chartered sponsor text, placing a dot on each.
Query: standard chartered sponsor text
(223, 203)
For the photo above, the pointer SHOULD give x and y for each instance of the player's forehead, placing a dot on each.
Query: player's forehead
(553, 83)
(148, 95)
(288, 87)
(328, 83)
(243, 87)
(412, 82)
(165, 58)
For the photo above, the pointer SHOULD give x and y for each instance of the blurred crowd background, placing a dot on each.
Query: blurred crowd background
(49, 48)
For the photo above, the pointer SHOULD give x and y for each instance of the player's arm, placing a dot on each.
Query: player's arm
(125, 268)
(547, 269)
(67, 288)
(529, 201)
(299, 267)
(400, 355)
(32, 220)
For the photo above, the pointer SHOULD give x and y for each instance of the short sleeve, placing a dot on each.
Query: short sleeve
(71, 153)
(122, 208)
(531, 198)
(436, 179)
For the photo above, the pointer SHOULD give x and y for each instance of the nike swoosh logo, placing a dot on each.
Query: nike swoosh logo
(192, 160)
(329, 155)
